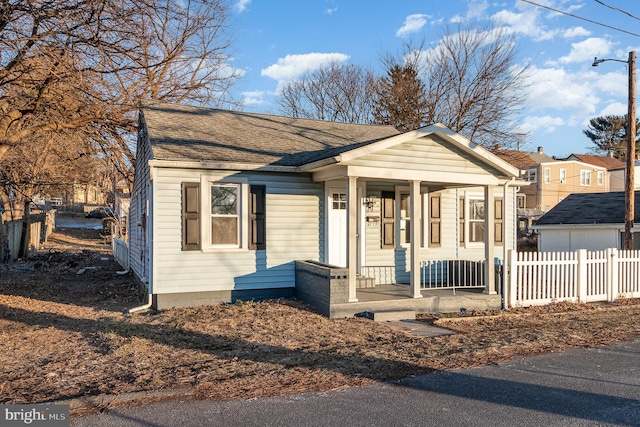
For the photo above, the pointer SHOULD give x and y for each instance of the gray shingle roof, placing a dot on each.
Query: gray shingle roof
(590, 208)
(182, 132)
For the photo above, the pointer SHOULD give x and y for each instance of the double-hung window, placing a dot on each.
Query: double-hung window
(585, 177)
(476, 220)
(225, 215)
(547, 175)
(600, 178)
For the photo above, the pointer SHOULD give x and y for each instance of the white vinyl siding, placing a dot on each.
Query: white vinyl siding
(429, 153)
(293, 218)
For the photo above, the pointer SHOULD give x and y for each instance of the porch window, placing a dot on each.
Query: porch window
(405, 218)
(476, 220)
(600, 178)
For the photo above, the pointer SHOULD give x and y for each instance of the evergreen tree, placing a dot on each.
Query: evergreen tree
(400, 99)
(609, 135)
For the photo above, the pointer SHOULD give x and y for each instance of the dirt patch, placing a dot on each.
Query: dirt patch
(66, 335)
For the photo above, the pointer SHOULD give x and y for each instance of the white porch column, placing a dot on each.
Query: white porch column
(489, 239)
(414, 237)
(352, 238)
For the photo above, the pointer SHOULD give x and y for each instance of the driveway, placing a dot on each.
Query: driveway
(586, 387)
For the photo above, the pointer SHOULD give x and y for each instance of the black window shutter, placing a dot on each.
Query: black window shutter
(191, 216)
(388, 207)
(257, 218)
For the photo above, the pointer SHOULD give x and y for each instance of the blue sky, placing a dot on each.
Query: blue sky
(278, 40)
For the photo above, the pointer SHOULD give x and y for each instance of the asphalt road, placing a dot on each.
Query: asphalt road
(594, 387)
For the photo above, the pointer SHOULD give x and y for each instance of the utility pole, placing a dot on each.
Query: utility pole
(629, 184)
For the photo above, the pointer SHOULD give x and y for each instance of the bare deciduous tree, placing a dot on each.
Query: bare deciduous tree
(475, 76)
(472, 81)
(336, 92)
(85, 65)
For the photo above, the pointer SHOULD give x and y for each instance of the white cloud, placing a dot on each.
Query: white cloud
(557, 89)
(412, 24)
(293, 66)
(254, 97)
(241, 6)
(525, 23)
(545, 124)
(614, 109)
(575, 32)
(330, 11)
(476, 9)
(586, 50)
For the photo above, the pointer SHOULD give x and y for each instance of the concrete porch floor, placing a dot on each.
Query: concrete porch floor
(396, 298)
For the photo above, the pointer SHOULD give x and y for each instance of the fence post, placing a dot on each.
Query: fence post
(582, 275)
(612, 262)
(510, 281)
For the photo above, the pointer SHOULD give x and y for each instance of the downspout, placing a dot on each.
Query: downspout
(142, 307)
(505, 291)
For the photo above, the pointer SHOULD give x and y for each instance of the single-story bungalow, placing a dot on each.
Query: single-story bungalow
(225, 204)
(592, 221)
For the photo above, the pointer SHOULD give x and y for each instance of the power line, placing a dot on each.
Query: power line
(579, 17)
(617, 9)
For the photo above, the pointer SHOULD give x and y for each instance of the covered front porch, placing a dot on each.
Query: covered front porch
(395, 207)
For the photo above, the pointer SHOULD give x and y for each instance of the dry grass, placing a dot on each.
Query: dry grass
(65, 335)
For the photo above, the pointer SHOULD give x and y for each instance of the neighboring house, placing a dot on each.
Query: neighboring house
(225, 202)
(618, 175)
(551, 181)
(586, 221)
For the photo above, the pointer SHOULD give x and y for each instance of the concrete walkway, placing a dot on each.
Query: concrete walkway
(593, 387)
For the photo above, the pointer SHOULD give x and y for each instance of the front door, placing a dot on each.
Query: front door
(337, 236)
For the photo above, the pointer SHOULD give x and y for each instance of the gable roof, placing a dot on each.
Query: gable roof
(523, 159)
(602, 161)
(590, 208)
(183, 132)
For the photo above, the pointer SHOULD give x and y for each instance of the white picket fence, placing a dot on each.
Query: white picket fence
(121, 252)
(540, 278)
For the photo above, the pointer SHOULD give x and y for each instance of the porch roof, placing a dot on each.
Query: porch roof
(433, 153)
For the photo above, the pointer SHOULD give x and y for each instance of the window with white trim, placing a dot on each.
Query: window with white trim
(217, 214)
(600, 178)
(530, 175)
(563, 176)
(476, 219)
(225, 215)
(585, 177)
(547, 175)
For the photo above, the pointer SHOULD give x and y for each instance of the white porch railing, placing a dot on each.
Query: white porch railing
(437, 274)
(121, 252)
(451, 274)
(540, 278)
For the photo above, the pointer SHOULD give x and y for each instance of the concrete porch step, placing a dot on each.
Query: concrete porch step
(386, 315)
